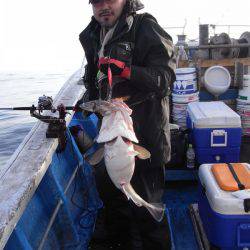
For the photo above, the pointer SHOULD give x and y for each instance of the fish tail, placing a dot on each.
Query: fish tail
(131, 194)
(155, 209)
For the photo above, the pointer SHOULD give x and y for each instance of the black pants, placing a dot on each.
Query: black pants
(129, 226)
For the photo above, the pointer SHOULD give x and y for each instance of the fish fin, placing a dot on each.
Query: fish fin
(143, 153)
(96, 157)
(156, 210)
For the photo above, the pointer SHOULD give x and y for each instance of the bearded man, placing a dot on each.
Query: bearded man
(135, 55)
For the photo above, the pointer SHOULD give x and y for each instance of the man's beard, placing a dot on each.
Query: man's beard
(108, 25)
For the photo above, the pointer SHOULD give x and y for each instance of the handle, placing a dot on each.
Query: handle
(243, 235)
(218, 133)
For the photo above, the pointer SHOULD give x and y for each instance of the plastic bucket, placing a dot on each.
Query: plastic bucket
(179, 111)
(217, 80)
(186, 81)
(185, 98)
(185, 71)
(244, 94)
(243, 109)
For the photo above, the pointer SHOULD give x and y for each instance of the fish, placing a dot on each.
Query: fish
(120, 149)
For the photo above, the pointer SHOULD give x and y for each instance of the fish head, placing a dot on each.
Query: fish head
(99, 106)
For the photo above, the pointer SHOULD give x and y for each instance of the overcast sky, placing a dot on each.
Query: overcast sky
(42, 35)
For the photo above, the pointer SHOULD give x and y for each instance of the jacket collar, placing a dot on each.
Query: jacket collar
(91, 34)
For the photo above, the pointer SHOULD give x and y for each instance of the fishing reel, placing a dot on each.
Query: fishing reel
(56, 125)
(45, 103)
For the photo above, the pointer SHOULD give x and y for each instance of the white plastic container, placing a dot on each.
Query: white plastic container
(217, 80)
(222, 202)
(185, 98)
(213, 115)
(180, 103)
(215, 132)
(244, 94)
(224, 216)
(186, 81)
(243, 109)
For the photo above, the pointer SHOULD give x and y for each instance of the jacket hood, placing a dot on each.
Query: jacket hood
(132, 6)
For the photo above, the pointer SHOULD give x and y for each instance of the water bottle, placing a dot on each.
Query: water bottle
(190, 157)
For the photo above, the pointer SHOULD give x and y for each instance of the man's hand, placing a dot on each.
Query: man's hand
(115, 67)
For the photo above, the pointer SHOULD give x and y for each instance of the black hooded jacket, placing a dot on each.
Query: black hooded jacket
(149, 50)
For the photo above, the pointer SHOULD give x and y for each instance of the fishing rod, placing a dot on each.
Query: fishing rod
(56, 125)
(35, 108)
(44, 103)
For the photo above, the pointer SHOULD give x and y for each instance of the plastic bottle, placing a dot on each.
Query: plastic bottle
(181, 55)
(190, 157)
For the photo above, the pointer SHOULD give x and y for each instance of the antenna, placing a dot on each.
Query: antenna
(177, 27)
(185, 24)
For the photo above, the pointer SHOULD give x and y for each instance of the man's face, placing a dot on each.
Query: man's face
(107, 12)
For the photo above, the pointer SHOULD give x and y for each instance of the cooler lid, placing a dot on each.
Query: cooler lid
(213, 115)
(232, 177)
(223, 202)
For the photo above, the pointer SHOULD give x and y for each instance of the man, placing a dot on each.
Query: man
(131, 56)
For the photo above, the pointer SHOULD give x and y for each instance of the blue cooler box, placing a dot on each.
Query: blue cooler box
(215, 132)
(223, 214)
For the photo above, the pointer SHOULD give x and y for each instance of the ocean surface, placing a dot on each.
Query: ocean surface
(22, 89)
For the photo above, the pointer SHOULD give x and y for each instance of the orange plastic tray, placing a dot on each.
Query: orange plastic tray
(225, 178)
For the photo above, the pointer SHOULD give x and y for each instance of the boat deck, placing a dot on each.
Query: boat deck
(52, 204)
(178, 197)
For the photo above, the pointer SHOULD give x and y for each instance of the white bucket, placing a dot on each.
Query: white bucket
(244, 94)
(185, 87)
(217, 80)
(186, 81)
(243, 109)
(185, 98)
(185, 71)
(180, 103)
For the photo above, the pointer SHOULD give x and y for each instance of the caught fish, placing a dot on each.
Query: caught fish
(119, 152)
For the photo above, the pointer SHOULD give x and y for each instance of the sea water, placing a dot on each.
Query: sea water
(22, 89)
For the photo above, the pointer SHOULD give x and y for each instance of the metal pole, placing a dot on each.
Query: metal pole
(246, 45)
(52, 219)
(230, 25)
